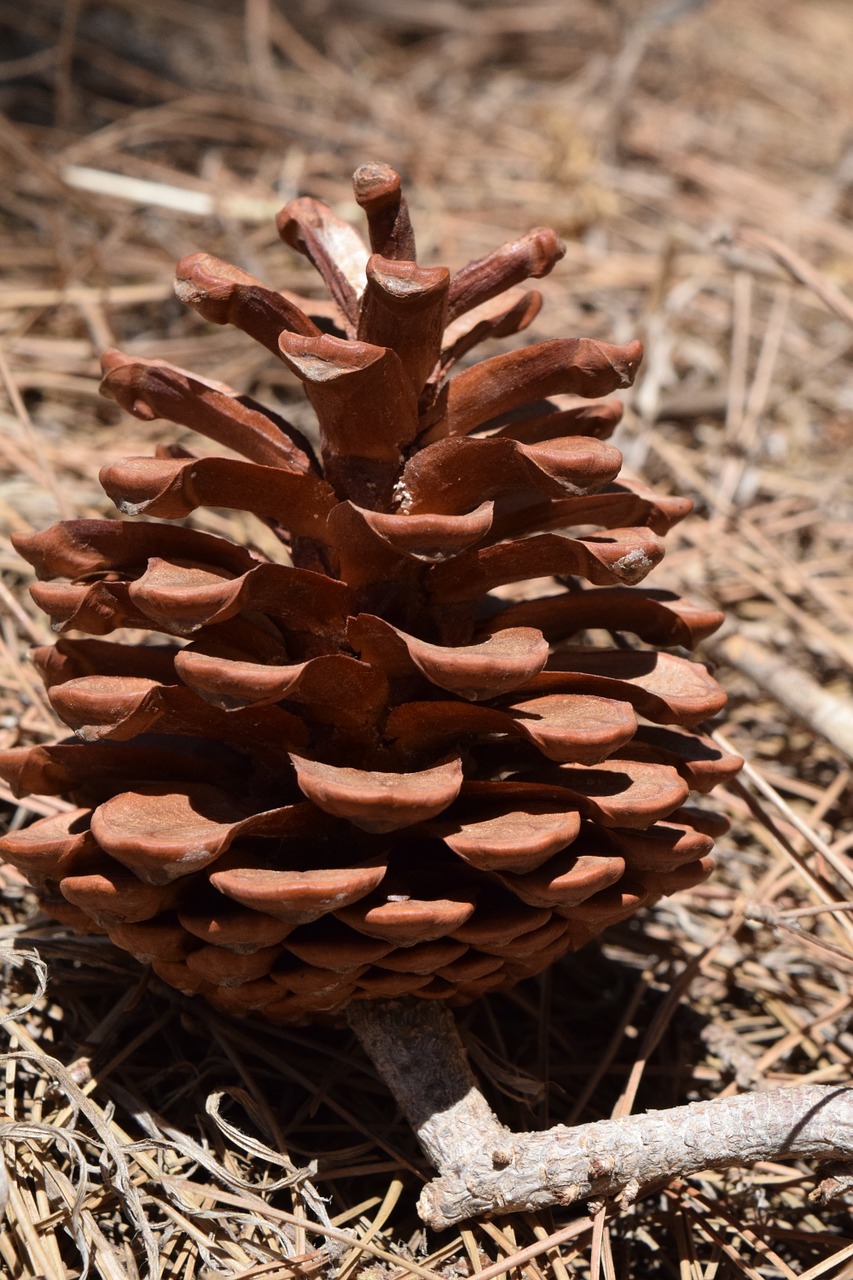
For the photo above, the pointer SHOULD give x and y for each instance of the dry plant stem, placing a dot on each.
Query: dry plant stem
(485, 1169)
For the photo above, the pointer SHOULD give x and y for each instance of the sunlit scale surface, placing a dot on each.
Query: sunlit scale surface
(383, 765)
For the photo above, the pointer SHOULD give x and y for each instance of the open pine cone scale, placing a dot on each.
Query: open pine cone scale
(386, 764)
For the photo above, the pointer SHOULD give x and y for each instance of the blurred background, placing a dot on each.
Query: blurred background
(697, 158)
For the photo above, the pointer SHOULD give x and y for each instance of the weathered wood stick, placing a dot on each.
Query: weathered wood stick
(486, 1169)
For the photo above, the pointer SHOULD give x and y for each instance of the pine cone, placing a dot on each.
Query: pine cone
(369, 769)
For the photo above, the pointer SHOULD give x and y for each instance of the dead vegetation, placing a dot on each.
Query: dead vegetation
(697, 157)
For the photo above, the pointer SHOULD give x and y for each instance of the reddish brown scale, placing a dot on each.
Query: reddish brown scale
(358, 774)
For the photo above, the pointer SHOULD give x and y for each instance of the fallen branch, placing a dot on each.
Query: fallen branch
(827, 713)
(485, 1169)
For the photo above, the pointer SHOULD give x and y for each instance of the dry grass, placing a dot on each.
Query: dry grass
(654, 136)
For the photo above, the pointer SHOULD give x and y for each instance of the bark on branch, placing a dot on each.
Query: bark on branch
(485, 1169)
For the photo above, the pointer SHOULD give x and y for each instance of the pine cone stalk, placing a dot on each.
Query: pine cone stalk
(444, 737)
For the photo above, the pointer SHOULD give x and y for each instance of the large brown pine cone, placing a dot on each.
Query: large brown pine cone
(369, 769)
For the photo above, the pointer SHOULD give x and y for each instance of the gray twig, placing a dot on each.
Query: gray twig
(485, 1169)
